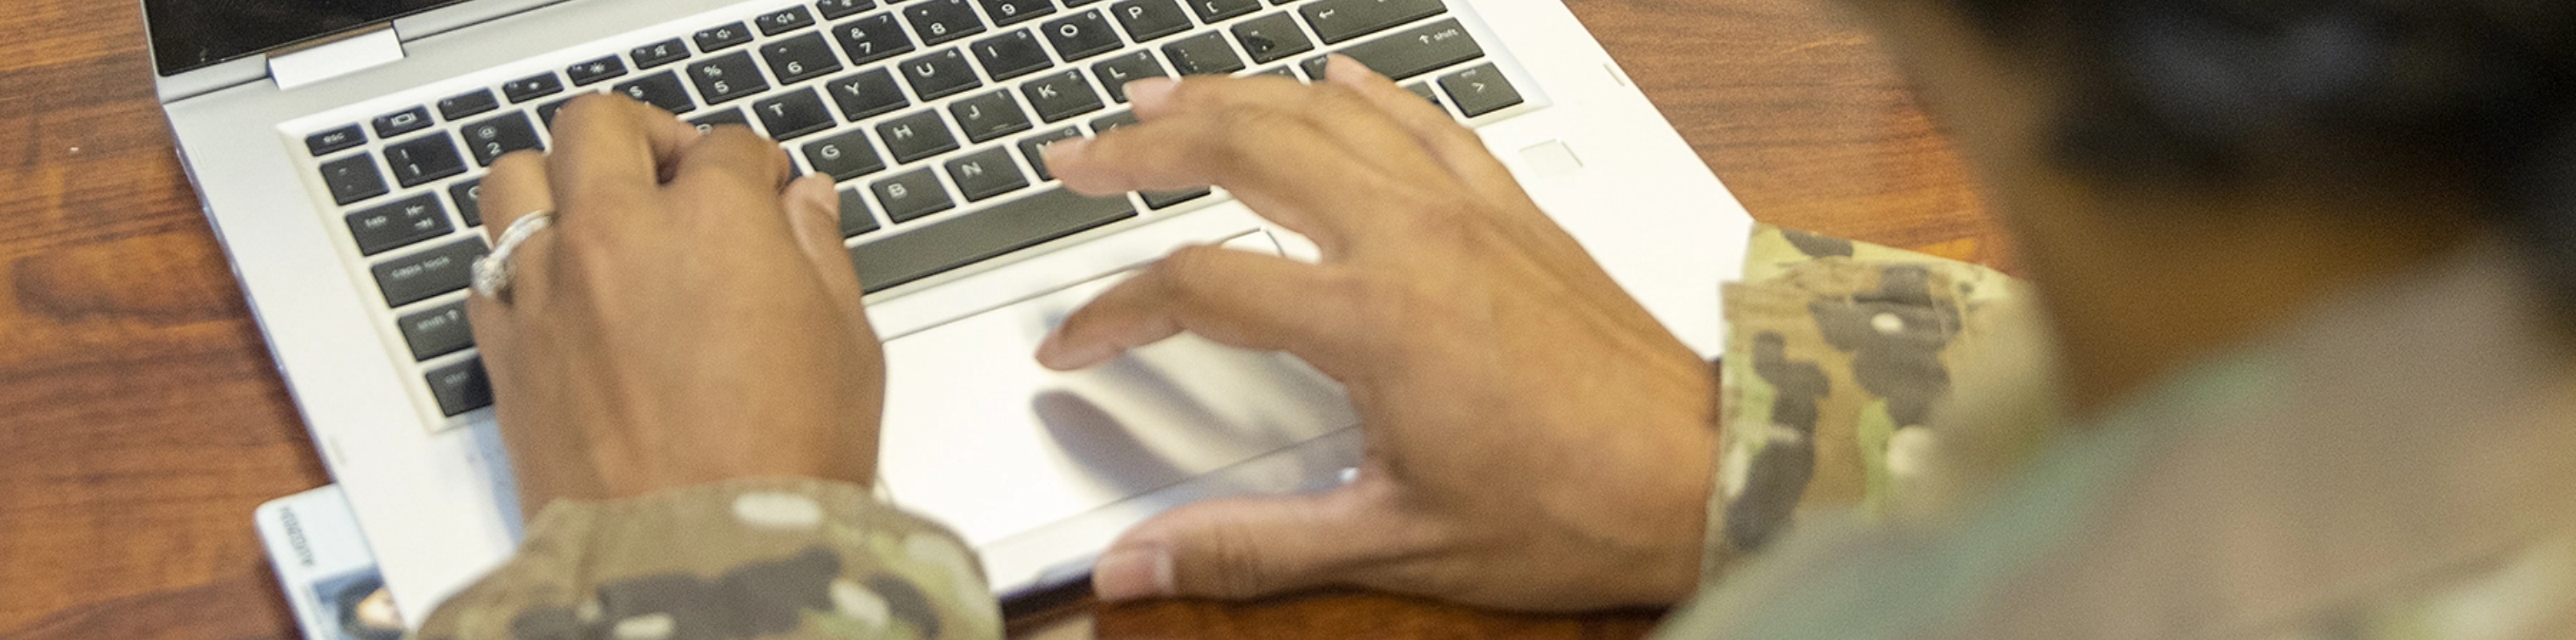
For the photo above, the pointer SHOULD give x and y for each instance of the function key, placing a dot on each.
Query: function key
(659, 53)
(871, 38)
(353, 179)
(546, 112)
(717, 38)
(939, 75)
(1480, 90)
(402, 122)
(727, 78)
(1212, 11)
(660, 90)
(460, 387)
(1150, 19)
(784, 20)
(334, 140)
(592, 72)
(532, 87)
(800, 58)
(1010, 12)
(399, 223)
(427, 158)
(468, 104)
(942, 20)
(1081, 36)
(499, 135)
(838, 9)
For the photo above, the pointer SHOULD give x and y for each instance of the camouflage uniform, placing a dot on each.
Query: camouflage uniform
(1894, 464)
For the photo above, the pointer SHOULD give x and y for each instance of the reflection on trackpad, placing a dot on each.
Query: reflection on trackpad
(982, 438)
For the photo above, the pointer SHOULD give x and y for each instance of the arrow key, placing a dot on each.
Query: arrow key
(1480, 90)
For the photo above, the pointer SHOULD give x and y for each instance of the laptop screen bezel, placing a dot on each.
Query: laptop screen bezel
(188, 35)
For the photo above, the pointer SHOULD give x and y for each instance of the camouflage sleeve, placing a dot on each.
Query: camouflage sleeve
(766, 557)
(1837, 355)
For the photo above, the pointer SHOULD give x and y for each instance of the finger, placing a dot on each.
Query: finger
(518, 186)
(732, 162)
(1243, 548)
(1277, 164)
(1242, 299)
(814, 211)
(1340, 112)
(1457, 148)
(613, 150)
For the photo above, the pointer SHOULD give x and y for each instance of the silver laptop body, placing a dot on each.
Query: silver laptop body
(337, 170)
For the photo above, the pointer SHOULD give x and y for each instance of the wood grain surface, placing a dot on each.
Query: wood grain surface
(141, 418)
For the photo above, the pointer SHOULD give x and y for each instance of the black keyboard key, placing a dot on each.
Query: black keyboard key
(659, 53)
(800, 58)
(468, 196)
(1011, 12)
(660, 90)
(940, 21)
(468, 104)
(1115, 72)
(1423, 89)
(1112, 122)
(427, 274)
(794, 115)
(353, 179)
(1034, 148)
(490, 138)
(1411, 52)
(1150, 19)
(1061, 95)
(987, 116)
(855, 218)
(838, 9)
(420, 160)
(595, 71)
(1011, 55)
(532, 87)
(401, 122)
(727, 78)
(866, 94)
(335, 140)
(1339, 20)
(1214, 11)
(939, 75)
(986, 173)
(710, 121)
(1081, 35)
(398, 224)
(460, 387)
(722, 37)
(1272, 37)
(1203, 54)
(783, 20)
(1168, 199)
(913, 137)
(1480, 90)
(967, 239)
(909, 196)
(439, 331)
(844, 156)
(546, 112)
(871, 38)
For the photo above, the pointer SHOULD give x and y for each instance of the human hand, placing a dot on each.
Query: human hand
(1534, 438)
(690, 317)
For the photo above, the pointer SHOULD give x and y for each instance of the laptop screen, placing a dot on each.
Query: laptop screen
(192, 34)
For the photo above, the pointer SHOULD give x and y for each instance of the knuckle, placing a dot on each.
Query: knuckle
(1238, 565)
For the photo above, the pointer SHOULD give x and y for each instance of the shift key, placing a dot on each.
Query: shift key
(420, 276)
(1411, 52)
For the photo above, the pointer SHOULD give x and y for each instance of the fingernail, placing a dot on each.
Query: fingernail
(1132, 574)
(1059, 151)
(1148, 93)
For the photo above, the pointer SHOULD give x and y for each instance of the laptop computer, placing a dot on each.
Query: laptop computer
(337, 148)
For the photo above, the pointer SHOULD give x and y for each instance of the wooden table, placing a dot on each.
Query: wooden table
(141, 418)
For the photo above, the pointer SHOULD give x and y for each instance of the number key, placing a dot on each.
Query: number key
(424, 159)
(800, 58)
(491, 138)
(872, 38)
(940, 21)
(727, 78)
(1010, 12)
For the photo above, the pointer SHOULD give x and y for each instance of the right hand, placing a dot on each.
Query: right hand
(1534, 438)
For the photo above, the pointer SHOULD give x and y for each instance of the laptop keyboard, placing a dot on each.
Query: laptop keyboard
(929, 113)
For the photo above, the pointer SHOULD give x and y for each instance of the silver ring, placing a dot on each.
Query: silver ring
(492, 271)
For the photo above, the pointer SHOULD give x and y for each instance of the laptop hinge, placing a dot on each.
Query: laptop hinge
(337, 57)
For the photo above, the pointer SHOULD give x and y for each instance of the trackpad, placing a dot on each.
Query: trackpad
(982, 438)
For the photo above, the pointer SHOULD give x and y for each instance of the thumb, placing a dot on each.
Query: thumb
(814, 214)
(1243, 548)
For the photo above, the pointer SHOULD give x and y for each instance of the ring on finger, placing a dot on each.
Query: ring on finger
(492, 272)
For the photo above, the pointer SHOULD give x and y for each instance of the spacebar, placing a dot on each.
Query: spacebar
(974, 237)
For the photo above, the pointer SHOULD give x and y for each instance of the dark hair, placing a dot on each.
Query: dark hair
(2194, 93)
